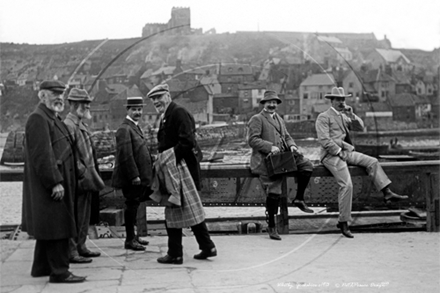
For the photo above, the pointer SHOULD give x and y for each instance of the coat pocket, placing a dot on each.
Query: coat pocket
(90, 181)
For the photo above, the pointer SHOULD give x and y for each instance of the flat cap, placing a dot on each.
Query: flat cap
(269, 96)
(79, 95)
(158, 90)
(53, 85)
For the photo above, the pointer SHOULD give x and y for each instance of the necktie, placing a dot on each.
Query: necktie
(347, 136)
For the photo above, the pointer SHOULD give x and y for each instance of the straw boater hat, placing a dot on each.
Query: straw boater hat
(158, 90)
(270, 96)
(135, 102)
(79, 95)
(337, 92)
(53, 85)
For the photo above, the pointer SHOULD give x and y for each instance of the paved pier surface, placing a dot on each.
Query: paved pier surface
(371, 262)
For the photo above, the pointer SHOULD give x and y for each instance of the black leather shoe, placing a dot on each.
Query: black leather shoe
(170, 260)
(273, 233)
(205, 254)
(70, 279)
(80, 259)
(133, 245)
(393, 197)
(89, 253)
(344, 229)
(140, 241)
(302, 206)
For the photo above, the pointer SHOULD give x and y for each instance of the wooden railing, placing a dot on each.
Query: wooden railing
(235, 185)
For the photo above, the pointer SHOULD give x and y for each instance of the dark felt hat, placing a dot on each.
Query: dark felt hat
(158, 90)
(135, 102)
(53, 85)
(79, 95)
(337, 92)
(270, 96)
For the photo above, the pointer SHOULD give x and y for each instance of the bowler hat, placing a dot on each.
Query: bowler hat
(53, 85)
(337, 92)
(158, 90)
(135, 102)
(270, 96)
(79, 95)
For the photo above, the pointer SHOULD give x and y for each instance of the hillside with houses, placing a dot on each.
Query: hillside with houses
(222, 77)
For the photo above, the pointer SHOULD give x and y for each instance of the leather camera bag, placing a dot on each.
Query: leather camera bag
(280, 163)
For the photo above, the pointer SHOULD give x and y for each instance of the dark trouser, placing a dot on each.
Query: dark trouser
(175, 248)
(303, 179)
(272, 203)
(132, 195)
(51, 257)
(83, 208)
(305, 170)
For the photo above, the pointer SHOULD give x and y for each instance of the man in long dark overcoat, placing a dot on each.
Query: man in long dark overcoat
(49, 186)
(177, 132)
(133, 169)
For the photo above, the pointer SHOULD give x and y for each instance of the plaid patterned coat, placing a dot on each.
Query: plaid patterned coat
(173, 186)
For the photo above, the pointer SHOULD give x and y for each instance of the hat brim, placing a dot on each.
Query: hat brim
(264, 101)
(158, 93)
(134, 105)
(56, 90)
(337, 96)
(80, 100)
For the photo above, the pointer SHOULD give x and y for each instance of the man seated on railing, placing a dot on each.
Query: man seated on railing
(337, 151)
(267, 134)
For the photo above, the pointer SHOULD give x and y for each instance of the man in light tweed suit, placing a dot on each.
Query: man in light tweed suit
(267, 134)
(177, 132)
(337, 152)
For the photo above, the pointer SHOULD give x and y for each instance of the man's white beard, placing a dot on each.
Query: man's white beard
(56, 106)
(87, 114)
(83, 114)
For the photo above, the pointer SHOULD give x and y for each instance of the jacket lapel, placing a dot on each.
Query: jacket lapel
(134, 127)
(57, 122)
(338, 119)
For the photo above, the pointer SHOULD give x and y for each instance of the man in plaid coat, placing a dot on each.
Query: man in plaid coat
(177, 134)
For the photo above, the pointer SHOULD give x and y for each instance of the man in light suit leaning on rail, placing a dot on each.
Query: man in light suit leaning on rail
(337, 152)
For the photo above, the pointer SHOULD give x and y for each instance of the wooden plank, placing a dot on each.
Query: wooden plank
(220, 170)
(432, 203)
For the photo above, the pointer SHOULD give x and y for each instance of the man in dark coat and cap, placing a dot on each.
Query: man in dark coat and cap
(49, 186)
(177, 133)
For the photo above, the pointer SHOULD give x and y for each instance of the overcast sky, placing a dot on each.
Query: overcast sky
(407, 23)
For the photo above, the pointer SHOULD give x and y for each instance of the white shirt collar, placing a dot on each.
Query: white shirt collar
(336, 111)
(271, 114)
(135, 122)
